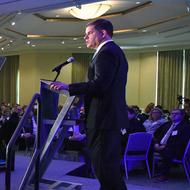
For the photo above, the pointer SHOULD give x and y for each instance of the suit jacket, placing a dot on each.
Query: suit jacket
(105, 104)
(178, 139)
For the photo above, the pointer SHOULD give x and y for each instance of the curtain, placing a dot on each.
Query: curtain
(187, 73)
(80, 66)
(8, 80)
(170, 73)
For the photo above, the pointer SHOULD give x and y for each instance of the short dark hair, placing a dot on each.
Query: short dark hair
(102, 24)
(131, 110)
(182, 111)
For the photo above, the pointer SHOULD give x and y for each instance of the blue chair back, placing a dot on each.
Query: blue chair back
(139, 142)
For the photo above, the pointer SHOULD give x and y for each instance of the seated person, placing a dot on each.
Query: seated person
(155, 120)
(170, 140)
(143, 116)
(9, 125)
(76, 139)
(6, 131)
(134, 126)
(28, 133)
(187, 109)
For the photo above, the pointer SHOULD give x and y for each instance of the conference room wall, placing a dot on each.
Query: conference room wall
(36, 66)
(141, 77)
(141, 86)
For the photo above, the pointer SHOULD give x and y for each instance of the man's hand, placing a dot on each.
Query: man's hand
(59, 86)
(78, 137)
(158, 147)
(26, 135)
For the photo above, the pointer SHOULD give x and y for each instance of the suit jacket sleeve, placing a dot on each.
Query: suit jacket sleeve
(105, 66)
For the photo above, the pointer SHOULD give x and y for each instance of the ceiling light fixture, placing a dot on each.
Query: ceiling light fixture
(89, 11)
(187, 5)
(13, 23)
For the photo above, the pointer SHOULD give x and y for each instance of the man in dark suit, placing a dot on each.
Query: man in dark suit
(171, 140)
(105, 104)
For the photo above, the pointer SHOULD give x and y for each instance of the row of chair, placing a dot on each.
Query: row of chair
(138, 148)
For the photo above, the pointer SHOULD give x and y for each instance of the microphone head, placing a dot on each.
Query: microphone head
(70, 59)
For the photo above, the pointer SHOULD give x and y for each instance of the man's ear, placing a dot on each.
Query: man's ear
(104, 33)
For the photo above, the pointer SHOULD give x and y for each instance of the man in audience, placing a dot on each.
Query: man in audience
(187, 108)
(134, 126)
(171, 140)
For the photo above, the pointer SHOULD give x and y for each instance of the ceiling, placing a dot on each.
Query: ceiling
(46, 25)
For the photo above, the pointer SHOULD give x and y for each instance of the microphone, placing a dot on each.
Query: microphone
(58, 68)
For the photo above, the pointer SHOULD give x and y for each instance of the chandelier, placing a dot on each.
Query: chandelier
(89, 11)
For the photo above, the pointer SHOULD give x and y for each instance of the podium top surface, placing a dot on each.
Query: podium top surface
(46, 84)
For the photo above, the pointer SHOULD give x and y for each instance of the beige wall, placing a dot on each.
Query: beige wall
(133, 78)
(141, 76)
(36, 66)
(141, 85)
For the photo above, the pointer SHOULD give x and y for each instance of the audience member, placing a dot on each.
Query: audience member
(134, 126)
(144, 116)
(187, 109)
(28, 133)
(171, 140)
(155, 120)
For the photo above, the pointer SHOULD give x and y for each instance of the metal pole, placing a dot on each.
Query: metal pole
(38, 144)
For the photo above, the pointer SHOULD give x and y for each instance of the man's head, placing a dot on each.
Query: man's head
(97, 32)
(177, 115)
(131, 113)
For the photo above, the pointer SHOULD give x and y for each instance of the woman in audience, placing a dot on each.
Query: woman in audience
(155, 120)
(144, 116)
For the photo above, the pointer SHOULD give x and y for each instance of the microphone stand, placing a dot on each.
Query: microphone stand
(58, 72)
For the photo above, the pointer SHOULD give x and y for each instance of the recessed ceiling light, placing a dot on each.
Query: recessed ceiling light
(63, 42)
(155, 45)
(11, 41)
(57, 16)
(138, 2)
(75, 38)
(79, 47)
(1, 37)
(28, 42)
(144, 30)
(19, 13)
(2, 48)
(13, 23)
(33, 45)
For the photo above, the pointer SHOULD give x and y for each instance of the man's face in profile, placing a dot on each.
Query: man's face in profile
(93, 37)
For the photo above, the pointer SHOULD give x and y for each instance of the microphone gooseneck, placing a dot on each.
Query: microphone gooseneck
(58, 68)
